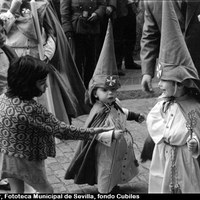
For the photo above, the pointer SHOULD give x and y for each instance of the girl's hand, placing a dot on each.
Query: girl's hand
(117, 134)
(192, 145)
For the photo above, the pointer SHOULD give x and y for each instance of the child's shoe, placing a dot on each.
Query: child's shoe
(115, 190)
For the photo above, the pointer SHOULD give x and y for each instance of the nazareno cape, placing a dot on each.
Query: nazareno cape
(82, 167)
(186, 106)
(68, 90)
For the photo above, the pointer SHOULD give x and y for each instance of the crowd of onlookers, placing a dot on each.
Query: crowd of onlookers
(87, 32)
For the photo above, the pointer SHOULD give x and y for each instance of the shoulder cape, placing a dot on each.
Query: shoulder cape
(82, 167)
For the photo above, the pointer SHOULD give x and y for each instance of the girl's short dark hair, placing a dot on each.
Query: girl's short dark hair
(23, 73)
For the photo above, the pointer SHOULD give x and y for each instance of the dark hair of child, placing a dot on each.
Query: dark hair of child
(23, 73)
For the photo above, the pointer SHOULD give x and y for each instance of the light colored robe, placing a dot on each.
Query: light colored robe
(116, 163)
(171, 127)
(21, 36)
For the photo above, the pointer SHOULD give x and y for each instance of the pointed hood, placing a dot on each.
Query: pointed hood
(175, 62)
(105, 74)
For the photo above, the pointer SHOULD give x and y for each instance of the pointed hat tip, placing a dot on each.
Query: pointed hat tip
(106, 64)
(174, 53)
(106, 74)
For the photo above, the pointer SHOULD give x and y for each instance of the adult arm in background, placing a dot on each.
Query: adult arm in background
(111, 7)
(99, 12)
(69, 17)
(66, 17)
(150, 42)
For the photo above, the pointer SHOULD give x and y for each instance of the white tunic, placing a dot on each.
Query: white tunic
(171, 127)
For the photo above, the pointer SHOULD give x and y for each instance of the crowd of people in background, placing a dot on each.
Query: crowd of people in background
(88, 31)
(80, 48)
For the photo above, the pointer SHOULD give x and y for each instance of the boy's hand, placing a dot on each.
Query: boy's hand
(192, 145)
(117, 134)
(141, 118)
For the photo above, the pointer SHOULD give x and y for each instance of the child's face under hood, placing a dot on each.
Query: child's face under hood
(167, 87)
(105, 94)
(171, 88)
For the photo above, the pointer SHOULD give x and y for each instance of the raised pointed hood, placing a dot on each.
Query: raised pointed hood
(105, 74)
(175, 62)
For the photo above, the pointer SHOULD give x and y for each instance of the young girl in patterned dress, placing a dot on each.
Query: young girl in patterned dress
(27, 129)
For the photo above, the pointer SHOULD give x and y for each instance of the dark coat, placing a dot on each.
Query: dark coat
(122, 9)
(112, 3)
(150, 40)
(72, 11)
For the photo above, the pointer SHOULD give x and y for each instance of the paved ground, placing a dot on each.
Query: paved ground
(56, 167)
